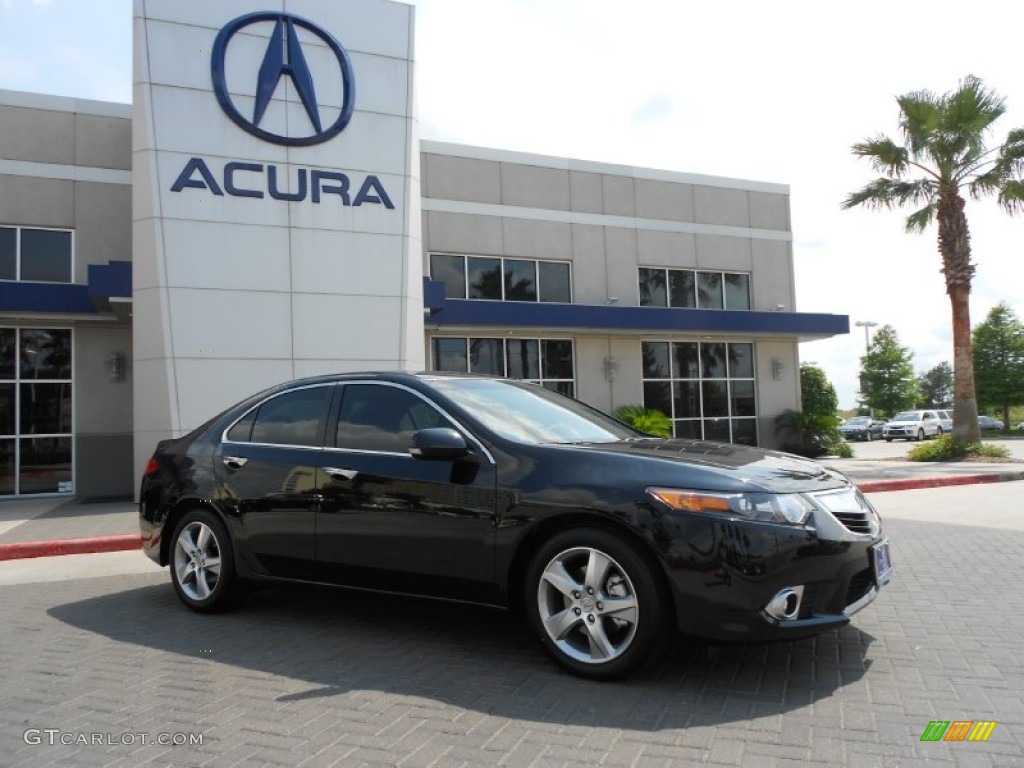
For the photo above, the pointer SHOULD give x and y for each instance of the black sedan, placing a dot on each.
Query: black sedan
(508, 494)
(862, 428)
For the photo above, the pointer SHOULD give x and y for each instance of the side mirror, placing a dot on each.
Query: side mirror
(438, 444)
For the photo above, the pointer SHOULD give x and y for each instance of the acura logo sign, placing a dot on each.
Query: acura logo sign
(284, 57)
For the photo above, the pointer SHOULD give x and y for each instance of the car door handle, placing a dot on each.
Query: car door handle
(341, 474)
(235, 462)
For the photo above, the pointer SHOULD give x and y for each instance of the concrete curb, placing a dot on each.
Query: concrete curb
(911, 483)
(26, 549)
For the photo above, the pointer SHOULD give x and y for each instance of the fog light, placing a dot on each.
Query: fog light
(785, 606)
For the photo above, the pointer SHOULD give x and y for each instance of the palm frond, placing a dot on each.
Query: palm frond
(971, 108)
(920, 116)
(919, 220)
(987, 183)
(890, 193)
(886, 155)
(1011, 196)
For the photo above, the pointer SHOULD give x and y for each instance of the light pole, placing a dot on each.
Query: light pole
(867, 325)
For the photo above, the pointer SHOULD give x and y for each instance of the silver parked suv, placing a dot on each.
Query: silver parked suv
(912, 425)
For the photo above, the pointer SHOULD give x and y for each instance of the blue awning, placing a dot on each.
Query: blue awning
(450, 313)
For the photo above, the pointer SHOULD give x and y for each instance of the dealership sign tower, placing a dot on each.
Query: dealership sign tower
(276, 229)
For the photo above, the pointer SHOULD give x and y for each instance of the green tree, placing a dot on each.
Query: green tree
(936, 386)
(999, 360)
(887, 382)
(943, 154)
(814, 431)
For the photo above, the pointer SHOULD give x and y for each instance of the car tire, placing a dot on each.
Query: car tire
(920, 434)
(867, 436)
(939, 432)
(888, 439)
(595, 603)
(202, 563)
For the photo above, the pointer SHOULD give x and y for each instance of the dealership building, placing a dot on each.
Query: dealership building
(265, 210)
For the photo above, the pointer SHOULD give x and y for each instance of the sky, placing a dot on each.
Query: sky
(773, 92)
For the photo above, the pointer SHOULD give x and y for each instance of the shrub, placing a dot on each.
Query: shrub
(811, 436)
(948, 448)
(647, 420)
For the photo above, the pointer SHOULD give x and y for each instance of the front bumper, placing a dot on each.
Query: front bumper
(725, 572)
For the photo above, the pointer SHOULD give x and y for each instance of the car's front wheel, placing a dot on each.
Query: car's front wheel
(202, 562)
(595, 604)
(920, 434)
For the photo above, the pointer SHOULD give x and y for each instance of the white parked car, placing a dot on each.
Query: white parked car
(912, 425)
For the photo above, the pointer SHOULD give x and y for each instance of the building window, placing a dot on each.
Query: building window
(548, 362)
(696, 289)
(36, 255)
(706, 388)
(500, 279)
(35, 411)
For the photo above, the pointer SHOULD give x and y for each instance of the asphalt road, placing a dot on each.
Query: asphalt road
(323, 678)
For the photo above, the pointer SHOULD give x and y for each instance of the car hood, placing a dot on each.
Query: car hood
(725, 465)
(902, 423)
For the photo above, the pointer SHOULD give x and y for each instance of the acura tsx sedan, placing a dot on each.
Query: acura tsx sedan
(606, 540)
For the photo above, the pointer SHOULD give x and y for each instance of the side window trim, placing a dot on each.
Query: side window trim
(332, 426)
(324, 419)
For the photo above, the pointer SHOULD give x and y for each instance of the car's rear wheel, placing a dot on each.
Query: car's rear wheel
(595, 603)
(939, 432)
(888, 439)
(202, 562)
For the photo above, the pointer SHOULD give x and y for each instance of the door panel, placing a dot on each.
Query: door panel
(389, 521)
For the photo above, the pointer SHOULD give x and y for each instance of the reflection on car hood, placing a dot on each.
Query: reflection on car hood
(767, 470)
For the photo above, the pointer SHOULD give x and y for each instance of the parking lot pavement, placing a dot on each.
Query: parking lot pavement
(349, 679)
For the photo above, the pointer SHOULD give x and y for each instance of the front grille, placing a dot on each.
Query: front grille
(858, 522)
(860, 585)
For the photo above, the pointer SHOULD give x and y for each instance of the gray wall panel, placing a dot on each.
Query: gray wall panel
(104, 467)
(103, 142)
(29, 202)
(39, 135)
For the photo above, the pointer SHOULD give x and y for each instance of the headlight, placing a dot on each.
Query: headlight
(790, 508)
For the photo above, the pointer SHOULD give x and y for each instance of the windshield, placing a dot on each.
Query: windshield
(528, 413)
(907, 416)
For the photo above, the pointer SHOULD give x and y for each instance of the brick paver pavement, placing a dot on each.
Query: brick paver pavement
(334, 678)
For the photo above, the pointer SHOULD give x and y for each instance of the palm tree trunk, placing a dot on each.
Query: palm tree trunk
(955, 247)
(965, 406)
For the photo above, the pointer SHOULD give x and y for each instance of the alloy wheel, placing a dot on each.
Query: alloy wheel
(197, 561)
(587, 605)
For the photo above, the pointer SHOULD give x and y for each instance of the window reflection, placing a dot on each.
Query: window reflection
(502, 279)
(485, 278)
(706, 388)
(709, 290)
(652, 287)
(520, 280)
(542, 361)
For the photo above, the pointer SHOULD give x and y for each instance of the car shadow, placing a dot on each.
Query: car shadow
(331, 642)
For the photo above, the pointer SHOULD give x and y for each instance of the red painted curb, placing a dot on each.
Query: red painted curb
(908, 484)
(26, 549)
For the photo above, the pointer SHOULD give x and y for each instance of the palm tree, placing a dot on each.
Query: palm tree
(943, 153)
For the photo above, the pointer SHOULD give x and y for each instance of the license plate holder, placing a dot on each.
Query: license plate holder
(881, 562)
